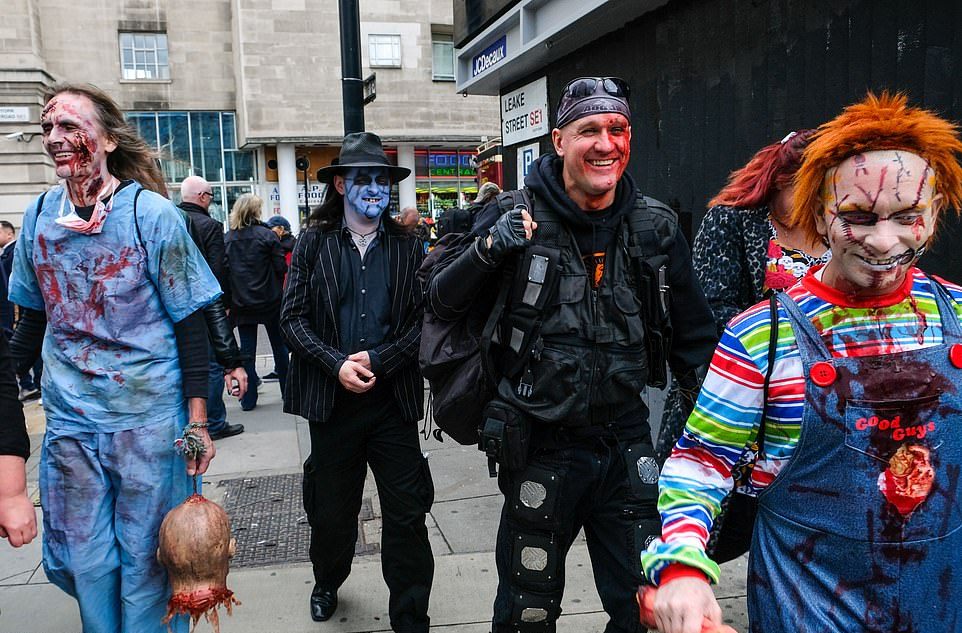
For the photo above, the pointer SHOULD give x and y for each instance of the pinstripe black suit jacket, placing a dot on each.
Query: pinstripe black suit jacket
(309, 323)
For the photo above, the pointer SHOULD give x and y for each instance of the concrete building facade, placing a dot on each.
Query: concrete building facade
(243, 91)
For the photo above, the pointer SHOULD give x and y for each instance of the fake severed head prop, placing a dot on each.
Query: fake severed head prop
(195, 547)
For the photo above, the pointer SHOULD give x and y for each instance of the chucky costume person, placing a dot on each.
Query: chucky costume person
(113, 289)
(859, 525)
(351, 315)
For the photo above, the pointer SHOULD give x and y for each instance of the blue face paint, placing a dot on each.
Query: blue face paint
(367, 191)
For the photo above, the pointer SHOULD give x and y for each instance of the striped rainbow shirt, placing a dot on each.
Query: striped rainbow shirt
(697, 476)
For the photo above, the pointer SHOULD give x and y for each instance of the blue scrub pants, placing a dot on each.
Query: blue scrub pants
(104, 496)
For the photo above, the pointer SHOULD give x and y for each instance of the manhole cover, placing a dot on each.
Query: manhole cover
(267, 519)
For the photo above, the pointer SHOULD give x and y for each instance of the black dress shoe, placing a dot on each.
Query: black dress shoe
(228, 430)
(323, 604)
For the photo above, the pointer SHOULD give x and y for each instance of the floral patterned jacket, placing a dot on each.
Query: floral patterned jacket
(730, 254)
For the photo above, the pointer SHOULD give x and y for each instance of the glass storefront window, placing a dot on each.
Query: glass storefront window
(202, 143)
(206, 145)
(444, 178)
(174, 148)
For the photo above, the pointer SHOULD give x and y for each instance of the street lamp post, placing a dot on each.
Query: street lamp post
(352, 85)
(303, 164)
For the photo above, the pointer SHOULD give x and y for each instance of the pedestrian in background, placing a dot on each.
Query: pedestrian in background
(29, 377)
(352, 316)
(282, 229)
(208, 234)
(745, 248)
(257, 268)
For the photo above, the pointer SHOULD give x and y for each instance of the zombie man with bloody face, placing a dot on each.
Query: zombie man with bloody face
(568, 425)
(859, 527)
(351, 315)
(112, 287)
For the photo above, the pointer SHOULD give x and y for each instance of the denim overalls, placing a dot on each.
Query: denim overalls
(860, 531)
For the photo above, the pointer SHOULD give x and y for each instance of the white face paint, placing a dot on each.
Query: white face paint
(879, 212)
(367, 191)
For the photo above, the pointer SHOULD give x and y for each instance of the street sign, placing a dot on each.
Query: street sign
(524, 112)
(370, 88)
(14, 114)
(526, 156)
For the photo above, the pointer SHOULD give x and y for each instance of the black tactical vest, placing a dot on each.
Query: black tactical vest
(587, 361)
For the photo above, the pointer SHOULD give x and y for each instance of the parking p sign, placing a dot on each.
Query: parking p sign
(526, 157)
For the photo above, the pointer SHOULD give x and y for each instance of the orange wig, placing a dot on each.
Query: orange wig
(885, 122)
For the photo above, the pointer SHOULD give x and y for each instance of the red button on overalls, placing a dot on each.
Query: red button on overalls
(823, 374)
(955, 355)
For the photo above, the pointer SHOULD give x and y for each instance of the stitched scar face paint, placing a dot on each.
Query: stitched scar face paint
(595, 150)
(367, 191)
(879, 211)
(73, 138)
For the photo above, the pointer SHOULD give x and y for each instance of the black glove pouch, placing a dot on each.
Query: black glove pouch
(505, 436)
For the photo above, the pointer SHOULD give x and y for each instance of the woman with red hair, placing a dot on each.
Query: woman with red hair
(745, 248)
(857, 480)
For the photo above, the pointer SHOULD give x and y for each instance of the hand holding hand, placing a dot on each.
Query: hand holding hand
(684, 605)
(236, 382)
(355, 377)
(363, 359)
(510, 233)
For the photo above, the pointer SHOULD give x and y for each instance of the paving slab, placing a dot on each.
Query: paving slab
(269, 439)
(40, 608)
(458, 471)
(469, 525)
(19, 564)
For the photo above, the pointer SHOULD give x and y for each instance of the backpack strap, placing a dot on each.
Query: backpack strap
(532, 285)
(647, 235)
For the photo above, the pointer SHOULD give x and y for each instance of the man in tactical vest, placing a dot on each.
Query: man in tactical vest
(582, 266)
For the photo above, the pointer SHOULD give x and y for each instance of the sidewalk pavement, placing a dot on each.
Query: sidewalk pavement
(462, 525)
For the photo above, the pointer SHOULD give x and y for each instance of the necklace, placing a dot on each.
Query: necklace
(361, 238)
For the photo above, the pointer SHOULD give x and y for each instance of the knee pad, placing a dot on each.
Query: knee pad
(535, 561)
(534, 612)
(643, 473)
(534, 494)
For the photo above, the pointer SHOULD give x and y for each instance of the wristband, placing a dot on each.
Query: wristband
(197, 425)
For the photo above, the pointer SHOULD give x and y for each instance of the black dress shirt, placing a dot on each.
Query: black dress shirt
(364, 298)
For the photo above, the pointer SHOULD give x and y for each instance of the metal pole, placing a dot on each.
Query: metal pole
(307, 193)
(352, 85)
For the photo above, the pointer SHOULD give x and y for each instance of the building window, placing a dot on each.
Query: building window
(443, 49)
(144, 56)
(385, 50)
(201, 143)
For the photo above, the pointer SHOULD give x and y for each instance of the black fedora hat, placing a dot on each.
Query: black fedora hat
(361, 149)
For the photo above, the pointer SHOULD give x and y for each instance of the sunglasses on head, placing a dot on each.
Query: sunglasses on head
(586, 86)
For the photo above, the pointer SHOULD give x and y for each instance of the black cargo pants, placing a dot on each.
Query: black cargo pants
(607, 486)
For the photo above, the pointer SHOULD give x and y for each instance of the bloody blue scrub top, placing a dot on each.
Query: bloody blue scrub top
(111, 299)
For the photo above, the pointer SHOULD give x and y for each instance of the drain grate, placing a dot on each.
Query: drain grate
(267, 519)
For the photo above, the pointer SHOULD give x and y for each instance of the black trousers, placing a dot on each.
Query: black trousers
(368, 429)
(592, 484)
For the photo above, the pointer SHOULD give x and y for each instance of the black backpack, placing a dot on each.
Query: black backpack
(456, 356)
(456, 220)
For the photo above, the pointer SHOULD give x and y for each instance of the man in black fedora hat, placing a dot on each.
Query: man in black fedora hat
(352, 317)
